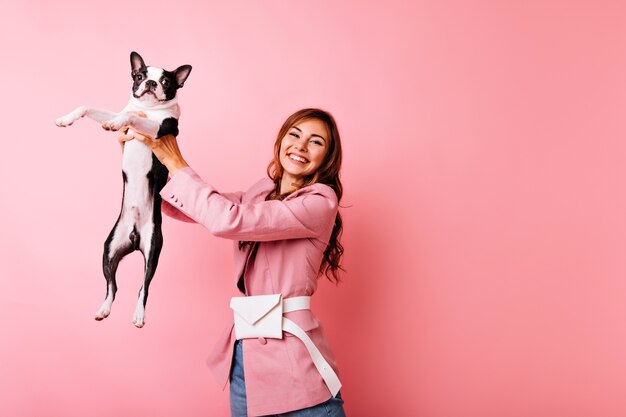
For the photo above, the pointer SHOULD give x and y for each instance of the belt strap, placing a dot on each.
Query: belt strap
(328, 374)
(296, 303)
(326, 371)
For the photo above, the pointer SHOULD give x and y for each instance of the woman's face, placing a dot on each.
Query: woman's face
(303, 148)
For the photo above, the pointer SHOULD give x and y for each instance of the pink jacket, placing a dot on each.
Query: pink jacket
(293, 233)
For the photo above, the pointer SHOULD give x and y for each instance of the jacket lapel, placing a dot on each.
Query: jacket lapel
(255, 194)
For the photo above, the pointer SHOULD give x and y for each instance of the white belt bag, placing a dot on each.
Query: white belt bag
(262, 316)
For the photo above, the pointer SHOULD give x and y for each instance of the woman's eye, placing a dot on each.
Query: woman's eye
(295, 135)
(317, 142)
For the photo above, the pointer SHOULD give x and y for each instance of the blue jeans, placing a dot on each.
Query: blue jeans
(331, 408)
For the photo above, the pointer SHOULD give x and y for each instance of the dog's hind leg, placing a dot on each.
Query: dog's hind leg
(122, 240)
(150, 245)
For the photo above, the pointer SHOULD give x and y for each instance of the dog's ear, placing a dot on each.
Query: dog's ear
(136, 62)
(182, 73)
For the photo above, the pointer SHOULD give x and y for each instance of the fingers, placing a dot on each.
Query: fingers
(139, 114)
(126, 134)
(124, 137)
(141, 138)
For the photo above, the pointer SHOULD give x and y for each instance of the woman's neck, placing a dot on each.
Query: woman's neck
(289, 183)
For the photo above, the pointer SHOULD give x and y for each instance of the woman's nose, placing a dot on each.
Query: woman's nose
(301, 143)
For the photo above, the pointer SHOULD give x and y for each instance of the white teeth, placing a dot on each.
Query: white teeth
(297, 158)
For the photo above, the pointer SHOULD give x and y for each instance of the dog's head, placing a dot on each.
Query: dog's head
(152, 85)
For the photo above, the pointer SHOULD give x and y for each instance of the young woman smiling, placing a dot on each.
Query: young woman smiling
(286, 232)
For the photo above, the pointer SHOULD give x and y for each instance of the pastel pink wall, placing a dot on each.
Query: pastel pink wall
(485, 208)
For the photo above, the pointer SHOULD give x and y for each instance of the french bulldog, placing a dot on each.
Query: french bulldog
(138, 226)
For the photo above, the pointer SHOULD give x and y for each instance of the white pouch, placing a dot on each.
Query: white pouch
(258, 316)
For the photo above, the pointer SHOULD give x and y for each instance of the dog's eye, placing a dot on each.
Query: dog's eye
(139, 77)
(165, 82)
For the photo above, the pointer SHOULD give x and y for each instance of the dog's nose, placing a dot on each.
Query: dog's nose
(151, 84)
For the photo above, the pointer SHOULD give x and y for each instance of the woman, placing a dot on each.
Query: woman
(285, 229)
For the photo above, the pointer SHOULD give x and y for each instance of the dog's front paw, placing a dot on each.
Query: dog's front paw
(65, 121)
(116, 123)
(70, 118)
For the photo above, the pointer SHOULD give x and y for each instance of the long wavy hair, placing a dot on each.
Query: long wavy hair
(328, 173)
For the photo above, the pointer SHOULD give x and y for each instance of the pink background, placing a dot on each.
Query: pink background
(485, 213)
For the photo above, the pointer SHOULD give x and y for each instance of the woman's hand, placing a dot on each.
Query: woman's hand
(164, 148)
(122, 137)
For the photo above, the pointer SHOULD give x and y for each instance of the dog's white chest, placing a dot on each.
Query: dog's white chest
(136, 164)
(137, 160)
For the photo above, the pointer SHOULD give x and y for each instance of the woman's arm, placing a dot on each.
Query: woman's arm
(308, 213)
(174, 213)
(170, 153)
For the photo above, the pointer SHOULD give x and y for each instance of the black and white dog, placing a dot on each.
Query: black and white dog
(138, 226)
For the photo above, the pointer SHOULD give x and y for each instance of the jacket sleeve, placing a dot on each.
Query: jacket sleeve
(307, 213)
(174, 213)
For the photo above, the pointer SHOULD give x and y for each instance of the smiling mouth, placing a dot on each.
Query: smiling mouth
(297, 158)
